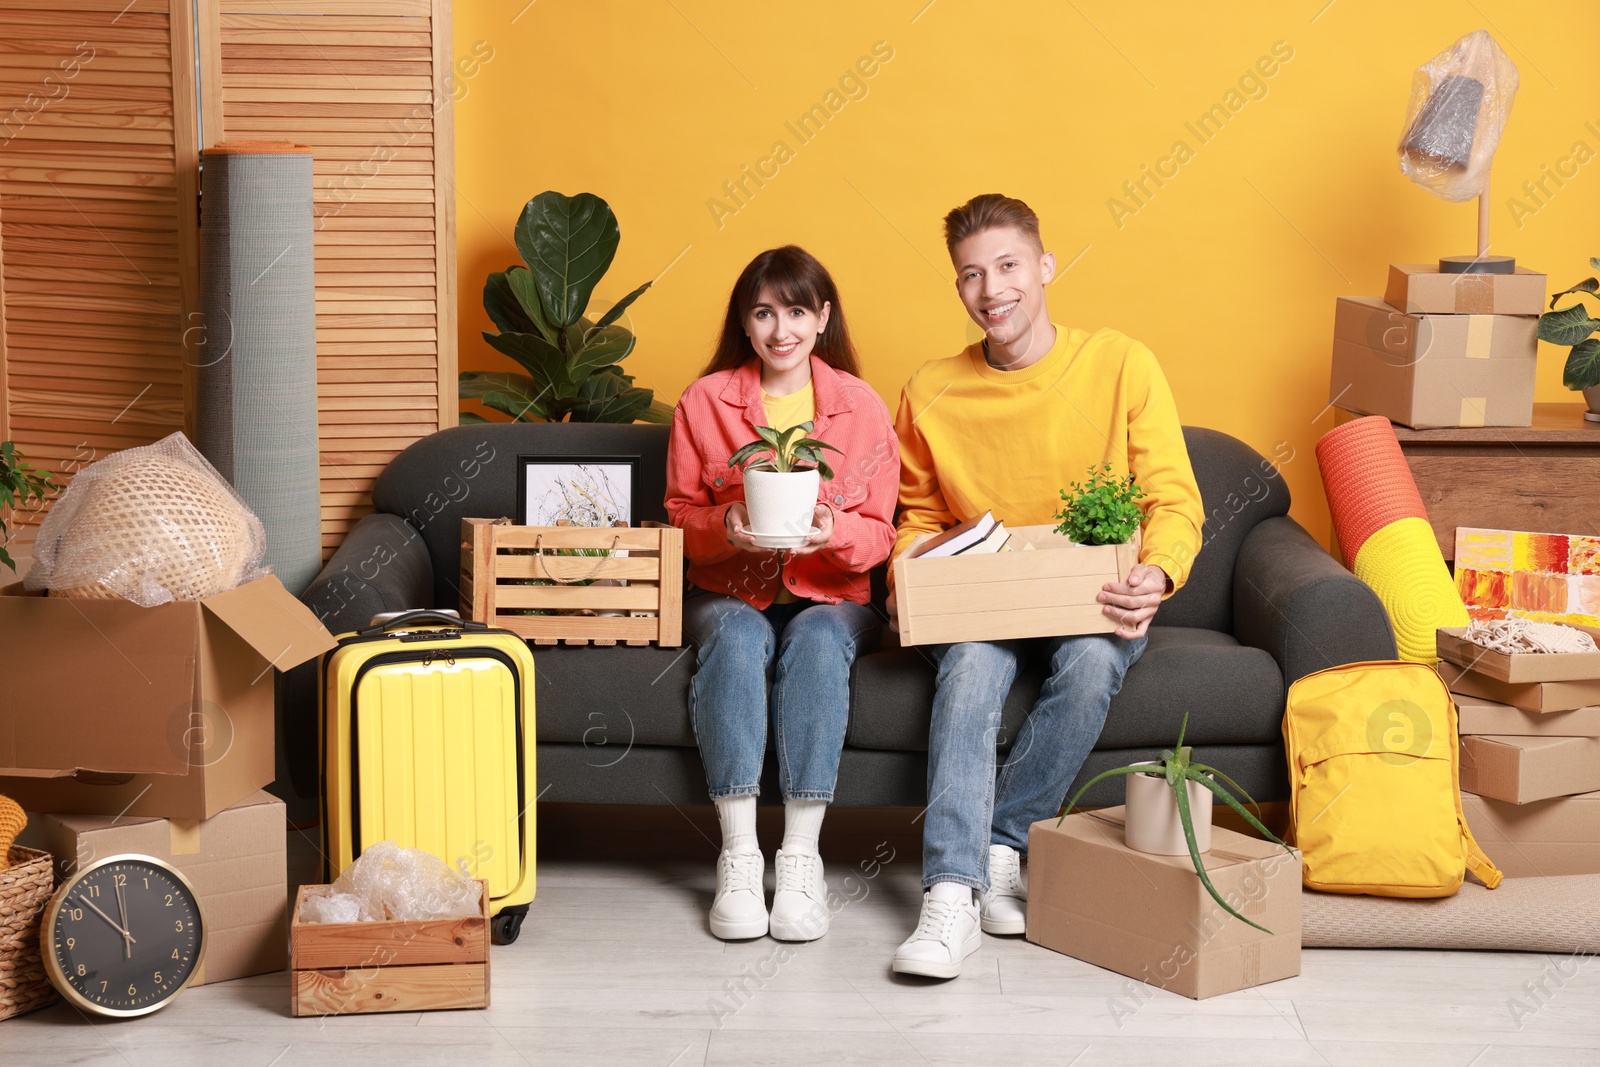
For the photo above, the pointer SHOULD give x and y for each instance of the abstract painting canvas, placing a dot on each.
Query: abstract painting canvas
(1543, 576)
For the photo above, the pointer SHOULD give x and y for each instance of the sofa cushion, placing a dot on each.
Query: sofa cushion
(613, 697)
(1233, 694)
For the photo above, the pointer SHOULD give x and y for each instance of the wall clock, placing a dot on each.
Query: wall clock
(123, 936)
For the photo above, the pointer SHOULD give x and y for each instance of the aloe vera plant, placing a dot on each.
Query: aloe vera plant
(1178, 767)
(786, 451)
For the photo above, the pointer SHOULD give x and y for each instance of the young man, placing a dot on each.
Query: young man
(1003, 426)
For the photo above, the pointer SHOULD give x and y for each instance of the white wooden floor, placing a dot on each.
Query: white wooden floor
(616, 966)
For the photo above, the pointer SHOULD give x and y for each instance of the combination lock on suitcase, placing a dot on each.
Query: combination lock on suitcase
(425, 732)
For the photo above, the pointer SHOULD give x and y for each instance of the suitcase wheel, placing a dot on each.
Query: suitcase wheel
(505, 927)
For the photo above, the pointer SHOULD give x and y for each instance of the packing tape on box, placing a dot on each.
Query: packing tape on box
(1480, 329)
(1474, 294)
(1473, 409)
(184, 835)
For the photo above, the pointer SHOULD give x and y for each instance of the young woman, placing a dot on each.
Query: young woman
(784, 358)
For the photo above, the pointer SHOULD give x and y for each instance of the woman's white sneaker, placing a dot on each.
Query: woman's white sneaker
(1004, 906)
(740, 908)
(946, 934)
(800, 904)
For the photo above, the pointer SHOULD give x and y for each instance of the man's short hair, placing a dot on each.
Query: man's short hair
(990, 211)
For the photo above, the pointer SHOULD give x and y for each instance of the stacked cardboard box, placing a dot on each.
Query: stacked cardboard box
(1530, 755)
(1440, 350)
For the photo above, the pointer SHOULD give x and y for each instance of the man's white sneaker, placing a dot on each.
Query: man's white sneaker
(946, 934)
(740, 907)
(800, 904)
(1004, 907)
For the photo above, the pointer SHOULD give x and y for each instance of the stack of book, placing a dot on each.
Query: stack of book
(975, 537)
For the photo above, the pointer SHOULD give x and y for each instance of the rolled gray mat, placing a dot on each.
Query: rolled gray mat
(257, 377)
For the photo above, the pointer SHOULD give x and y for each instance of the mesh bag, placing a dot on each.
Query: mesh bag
(150, 524)
(1460, 100)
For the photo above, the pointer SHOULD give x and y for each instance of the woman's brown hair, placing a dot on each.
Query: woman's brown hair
(798, 280)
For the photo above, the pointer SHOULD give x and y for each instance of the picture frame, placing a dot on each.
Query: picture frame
(580, 490)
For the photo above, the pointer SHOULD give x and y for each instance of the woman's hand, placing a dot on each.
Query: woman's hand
(822, 519)
(736, 523)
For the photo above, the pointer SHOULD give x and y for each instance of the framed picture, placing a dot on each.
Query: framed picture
(581, 490)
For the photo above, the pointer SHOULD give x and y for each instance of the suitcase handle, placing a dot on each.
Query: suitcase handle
(421, 615)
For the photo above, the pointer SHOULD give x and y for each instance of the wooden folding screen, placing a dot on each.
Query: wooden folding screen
(98, 215)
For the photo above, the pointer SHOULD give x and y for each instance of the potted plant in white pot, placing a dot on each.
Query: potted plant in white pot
(783, 469)
(1573, 326)
(1162, 816)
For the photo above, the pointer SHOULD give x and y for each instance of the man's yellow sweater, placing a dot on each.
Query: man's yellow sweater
(976, 439)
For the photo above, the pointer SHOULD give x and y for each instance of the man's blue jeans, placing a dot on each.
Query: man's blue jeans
(968, 807)
(815, 646)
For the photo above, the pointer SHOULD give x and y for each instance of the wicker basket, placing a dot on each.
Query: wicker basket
(25, 887)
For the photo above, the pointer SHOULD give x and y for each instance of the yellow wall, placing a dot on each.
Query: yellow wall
(1229, 272)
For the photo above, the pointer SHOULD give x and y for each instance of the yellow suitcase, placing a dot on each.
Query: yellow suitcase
(426, 738)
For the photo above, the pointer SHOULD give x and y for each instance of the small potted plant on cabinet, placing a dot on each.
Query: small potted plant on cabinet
(1572, 325)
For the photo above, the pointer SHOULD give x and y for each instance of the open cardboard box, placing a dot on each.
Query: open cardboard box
(1047, 590)
(1521, 667)
(166, 711)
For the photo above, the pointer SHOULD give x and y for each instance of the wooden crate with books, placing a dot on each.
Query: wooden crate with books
(981, 581)
(574, 584)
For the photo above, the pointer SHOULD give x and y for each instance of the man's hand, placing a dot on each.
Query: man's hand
(822, 519)
(736, 524)
(1133, 603)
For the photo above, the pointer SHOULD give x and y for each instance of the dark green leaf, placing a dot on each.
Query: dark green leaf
(1228, 799)
(1588, 285)
(610, 396)
(604, 346)
(539, 357)
(516, 395)
(505, 311)
(1567, 326)
(659, 412)
(470, 418)
(523, 286)
(754, 448)
(1143, 768)
(622, 305)
(1583, 366)
(1181, 793)
(568, 244)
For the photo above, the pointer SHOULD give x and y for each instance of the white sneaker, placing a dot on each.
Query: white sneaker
(800, 904)
(946, 934)
(740, 907)
(1004, 906)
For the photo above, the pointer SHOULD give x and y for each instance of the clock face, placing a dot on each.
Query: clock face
(123, 936)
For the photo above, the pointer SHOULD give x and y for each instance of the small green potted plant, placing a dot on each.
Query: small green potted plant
(1572, 326)
(20, 482)
(783, 469)
(1102, 510)
(571, 360)
(1162, 816)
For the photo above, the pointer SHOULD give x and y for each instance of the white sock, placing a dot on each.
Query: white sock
(802, 825)
(952, 892)
(738, 818)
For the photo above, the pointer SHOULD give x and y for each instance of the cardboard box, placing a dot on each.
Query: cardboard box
(1546, 837)
(1048, 590)
(1419, 288)
(362, 967)
(1433, 370)
(1092, 897)
(1480, 716)
(1529, 696)
(1521, 667)
(164, 711)
(1523, 769)
(237, 862)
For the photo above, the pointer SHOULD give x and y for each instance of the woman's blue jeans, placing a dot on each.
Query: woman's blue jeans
(807, 651)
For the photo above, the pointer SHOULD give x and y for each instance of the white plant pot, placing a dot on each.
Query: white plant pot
(1592, 397)
(1152, 823)
(781, 504)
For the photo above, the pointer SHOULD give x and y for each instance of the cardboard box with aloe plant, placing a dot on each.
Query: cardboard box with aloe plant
(1043, 583)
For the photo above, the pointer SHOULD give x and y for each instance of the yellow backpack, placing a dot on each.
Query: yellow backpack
(1374, 786)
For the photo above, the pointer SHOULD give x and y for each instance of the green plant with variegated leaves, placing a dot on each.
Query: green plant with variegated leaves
(20, 482)
(571, 361)
(1178, 767)
(784, 451)
(1573, 326)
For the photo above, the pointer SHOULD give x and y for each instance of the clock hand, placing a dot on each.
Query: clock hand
(127, 938)
(106, 917)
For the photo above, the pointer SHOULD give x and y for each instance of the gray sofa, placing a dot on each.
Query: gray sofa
(1265, 604)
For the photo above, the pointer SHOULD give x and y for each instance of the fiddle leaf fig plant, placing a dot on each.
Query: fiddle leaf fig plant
(1573, 326)
(1102, 510)
(1177, 765)
(785, 451)
(20, 482)
(569, 362)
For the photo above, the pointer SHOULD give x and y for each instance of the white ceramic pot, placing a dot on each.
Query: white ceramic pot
(781, 504)
(1152, 822)
(1592, 397)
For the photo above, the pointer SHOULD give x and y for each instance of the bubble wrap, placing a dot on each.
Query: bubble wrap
(387, 882)
(1460, 100)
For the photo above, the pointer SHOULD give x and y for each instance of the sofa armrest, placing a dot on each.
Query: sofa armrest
(1298, 603)
(383, 565)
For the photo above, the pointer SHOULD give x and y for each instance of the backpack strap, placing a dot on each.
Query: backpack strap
(1477, 861)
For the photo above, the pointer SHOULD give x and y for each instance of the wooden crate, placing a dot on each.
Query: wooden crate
(649, 608)
(364, 967)
(1046, 591)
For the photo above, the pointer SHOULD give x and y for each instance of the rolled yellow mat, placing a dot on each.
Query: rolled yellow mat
(1402, 564)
